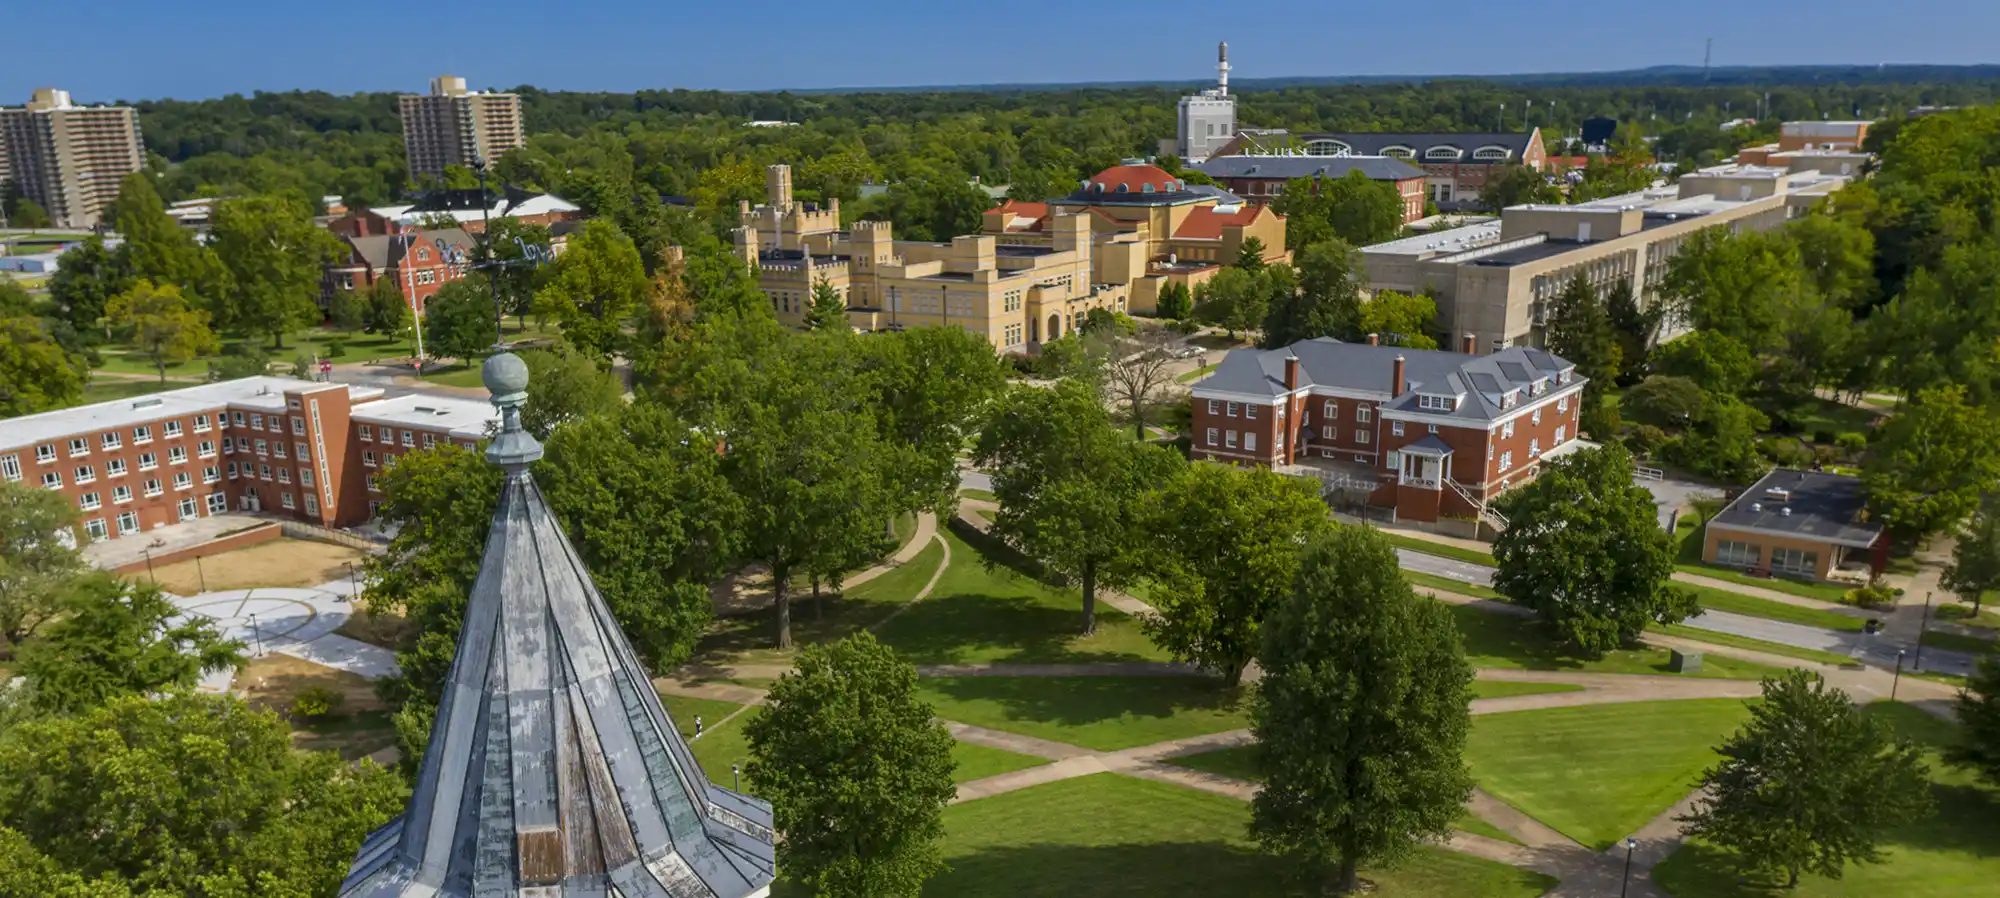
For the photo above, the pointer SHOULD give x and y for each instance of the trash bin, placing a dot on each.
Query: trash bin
(1684, 662)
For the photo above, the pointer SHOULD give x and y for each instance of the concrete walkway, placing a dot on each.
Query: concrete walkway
(920, 540)
(289, 621)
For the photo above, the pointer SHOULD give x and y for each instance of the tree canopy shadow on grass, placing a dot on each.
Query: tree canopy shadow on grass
(744, 636)
(1147, 870)
(1083, 701)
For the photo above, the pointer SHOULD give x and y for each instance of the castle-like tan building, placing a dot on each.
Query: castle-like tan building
(1015, 295)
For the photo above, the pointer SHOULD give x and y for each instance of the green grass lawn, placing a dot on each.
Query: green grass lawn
(746, 638)
(1508, 689)
(1955, 642)
(1447, 584)
(1723, 600)
(453, 374)
(106, 390)
(1825, 414)
(989, 608)
(1240, 763)
(1197, 373)
(1951, 854)
(1416, 544)
(1110, 836)
(1514, 643)
(1962, 614)
(982, 495)
(979, 762)
(1596, 773)
(904, 526)
(1744, 642)
(1100, 713)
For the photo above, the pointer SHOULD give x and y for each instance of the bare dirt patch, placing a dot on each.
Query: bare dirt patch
(280, 562)
(384, 629)
(359, 727)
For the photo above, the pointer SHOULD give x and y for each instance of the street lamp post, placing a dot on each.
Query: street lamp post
(735, 778)
(257, 636)
(200, 574)
(1917, 663)
(149, 565)
(1631, 845)
(353, 583)
(1898, 681)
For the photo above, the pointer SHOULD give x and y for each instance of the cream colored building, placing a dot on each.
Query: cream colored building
(455, 126)
(1016, 296)
(1495, 279)
(69, 159)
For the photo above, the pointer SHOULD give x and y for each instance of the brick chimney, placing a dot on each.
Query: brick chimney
(1288, 426)
(1396, 382)
(1374, 339)
(1469, 344)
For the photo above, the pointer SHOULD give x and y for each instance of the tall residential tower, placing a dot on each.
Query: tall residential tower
(67, 158)
(1207, 119)
(455, 126)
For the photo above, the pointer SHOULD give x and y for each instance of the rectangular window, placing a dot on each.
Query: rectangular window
(148, 461)
(51, 480)
(188, 509)
(1363, 414)
(1361, 437)
(242, 444)
(299, 452)
(1737, 554)
(1229, 439)
(217, 503)
(142, 434)
(1534, 448)
(45, 454)
(1213, 436)
(121, 494)
(277, 450)
(430, 441)
(373, 489)
(232, 470)
(1249, 441)
(1536, 416)
(286, 500)
(1559, 436)
(1396, 428)
(177, 455)
(410, 438)
(201, 424)
(171, 429)
(263, 472)
(367, 433)
(1250, 411)
(1562, 405)
(111, 440)
(128, 522)
(95, 527)
(1506, 460)
(1507, 431)
(153, 488)
(291, 403)
(285, 476)
(1794, 561)
(305, 477)
(256, 422)
(10, 468)
(368, 459)
(298, 427)
(312, 505)
(85, 474)
(1326, 433)
(1332, 409)
(183, 481)
(1232, 409)
(206, 449)
(78, 447)
(90, 502)
(263, 447)
(211, 474)
(114, 467)
(236, 417)
(1215, 406)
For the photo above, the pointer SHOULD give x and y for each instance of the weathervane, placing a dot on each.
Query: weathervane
(532, 256)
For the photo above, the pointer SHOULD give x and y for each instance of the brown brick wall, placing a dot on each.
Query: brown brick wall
(1765, 542)
(1264, 427)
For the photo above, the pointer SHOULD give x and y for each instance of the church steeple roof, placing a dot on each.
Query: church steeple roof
(552, 770)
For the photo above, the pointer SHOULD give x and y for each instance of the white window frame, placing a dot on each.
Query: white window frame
(211, 474)
(201, 424)
(154, 487)
(1737, 553)
(128, 523)
(1233, 408)
(1363, 414)
(10, 468)
(114, 467)
(183, 481)
(170, 429)
(312, 505)
(1215, 406)
(177, 455)
(1249, 441)
(91, 501)
(85, 474)
(1229, 439)
(1250, 411)
(1361, 437)
(368, 433)
(217, 503)
(79, 447)
(1396, 428)
(121, 494)
(206, 449)
(142, 435)
(45, 453)
(1507, 431)
(111, 440)
(97, 529)
(51, 480)
(189, 509)
(1214, 437)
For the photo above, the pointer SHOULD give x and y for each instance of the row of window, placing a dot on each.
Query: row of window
(1783, 560)
(388, 436)
(1230, 439)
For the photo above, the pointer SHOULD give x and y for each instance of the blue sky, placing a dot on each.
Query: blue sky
(212, 47)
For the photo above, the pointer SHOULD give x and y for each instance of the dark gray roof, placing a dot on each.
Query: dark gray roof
(551, 763)
(1372, 143)
(1813, 505)
(1480, 381)
(385, 252)
(1380, 168)
(1429, 445)
(1221, 194)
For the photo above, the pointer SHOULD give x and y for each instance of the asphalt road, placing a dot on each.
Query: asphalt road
(1879, 650)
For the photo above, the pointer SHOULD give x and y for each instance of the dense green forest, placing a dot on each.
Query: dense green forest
(694, 144)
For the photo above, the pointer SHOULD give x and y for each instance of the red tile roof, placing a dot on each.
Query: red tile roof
(1204, 223)
(1037, 214)
(1135, 178)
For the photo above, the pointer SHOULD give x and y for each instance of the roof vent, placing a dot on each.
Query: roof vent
(426, 409)
(1756, 506)
(1777, 494)
(1785, 511)
(148, 403)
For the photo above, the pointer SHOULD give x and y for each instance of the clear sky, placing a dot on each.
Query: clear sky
(132, 49)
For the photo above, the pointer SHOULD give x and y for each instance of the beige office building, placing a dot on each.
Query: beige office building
(1013, 295)
(69, 159)
(1494, 279)
(455, 126)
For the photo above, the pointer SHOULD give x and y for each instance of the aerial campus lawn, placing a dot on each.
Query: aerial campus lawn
(1506, 641)
(748, 638)
(1953, 853)
(1597, 773)
(1111, 836)
(1100, 713)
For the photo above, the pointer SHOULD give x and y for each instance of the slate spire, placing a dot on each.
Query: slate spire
(552, 771)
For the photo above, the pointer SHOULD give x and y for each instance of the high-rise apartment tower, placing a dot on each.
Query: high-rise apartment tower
(455, 126)
(68, 159)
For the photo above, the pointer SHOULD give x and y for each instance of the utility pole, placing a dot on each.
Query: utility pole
(1707, 49)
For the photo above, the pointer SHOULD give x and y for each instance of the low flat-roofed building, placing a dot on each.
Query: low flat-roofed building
(1800, 524)
(1495, 279)
(1456, 165)
(302, 449)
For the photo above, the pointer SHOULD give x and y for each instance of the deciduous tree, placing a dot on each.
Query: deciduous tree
(566, 385)
(459, 321)
(161, 323)
(1978, 710)
(1737, 285)
(38, 557)
(1933, 460)
(1232, 300)
(1327, 303)
(931, 387)
(858, 771)
(115, 639)
(1810, 784)
(594, 286)
(276, 257)
(1400, 318)
(82, 287)
(1515, 185)
(388, 310)
(1974, 570)
(1583, 548)
(1709, 361)
(1220, 575)
(1175, 302)
(1070, 487)
(1137, 371)
(1580, 330)
(1361, 717)
(36, 373)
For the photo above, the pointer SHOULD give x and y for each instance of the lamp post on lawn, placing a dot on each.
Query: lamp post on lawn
(1631, 845)
(1898, 681)
(1917, 663)
(353, 583)
(149, 565)
(257, 635)
(199, 573)
(735, 778)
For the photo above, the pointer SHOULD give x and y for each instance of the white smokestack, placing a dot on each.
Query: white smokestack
(1222, 69)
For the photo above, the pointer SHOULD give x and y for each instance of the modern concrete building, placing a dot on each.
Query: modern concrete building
(1456, 166)
(1494, 279)
(302, 449)
(1804, 524)
(551, 768)
(69, 159)
(1429, 433)
(455, 126)
(1206, 120)
(1261, 179)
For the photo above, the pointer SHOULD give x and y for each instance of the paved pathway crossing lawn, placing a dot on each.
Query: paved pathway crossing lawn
(1510, 642)
(748, 638)
(1101, 713)
(1111, 836)
(1956, 853)
(999, 613)
(1597, 773)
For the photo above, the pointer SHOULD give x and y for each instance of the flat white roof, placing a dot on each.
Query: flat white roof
(267, 392)
(461, 418)
(1447, 241)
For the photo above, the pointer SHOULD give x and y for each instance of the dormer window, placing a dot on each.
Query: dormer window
(1562, 377)
(1509, 398)
(1436, 403)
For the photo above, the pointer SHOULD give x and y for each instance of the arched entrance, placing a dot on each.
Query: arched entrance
(1055, 327)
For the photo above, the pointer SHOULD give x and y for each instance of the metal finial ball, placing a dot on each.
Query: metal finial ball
(504, 374)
